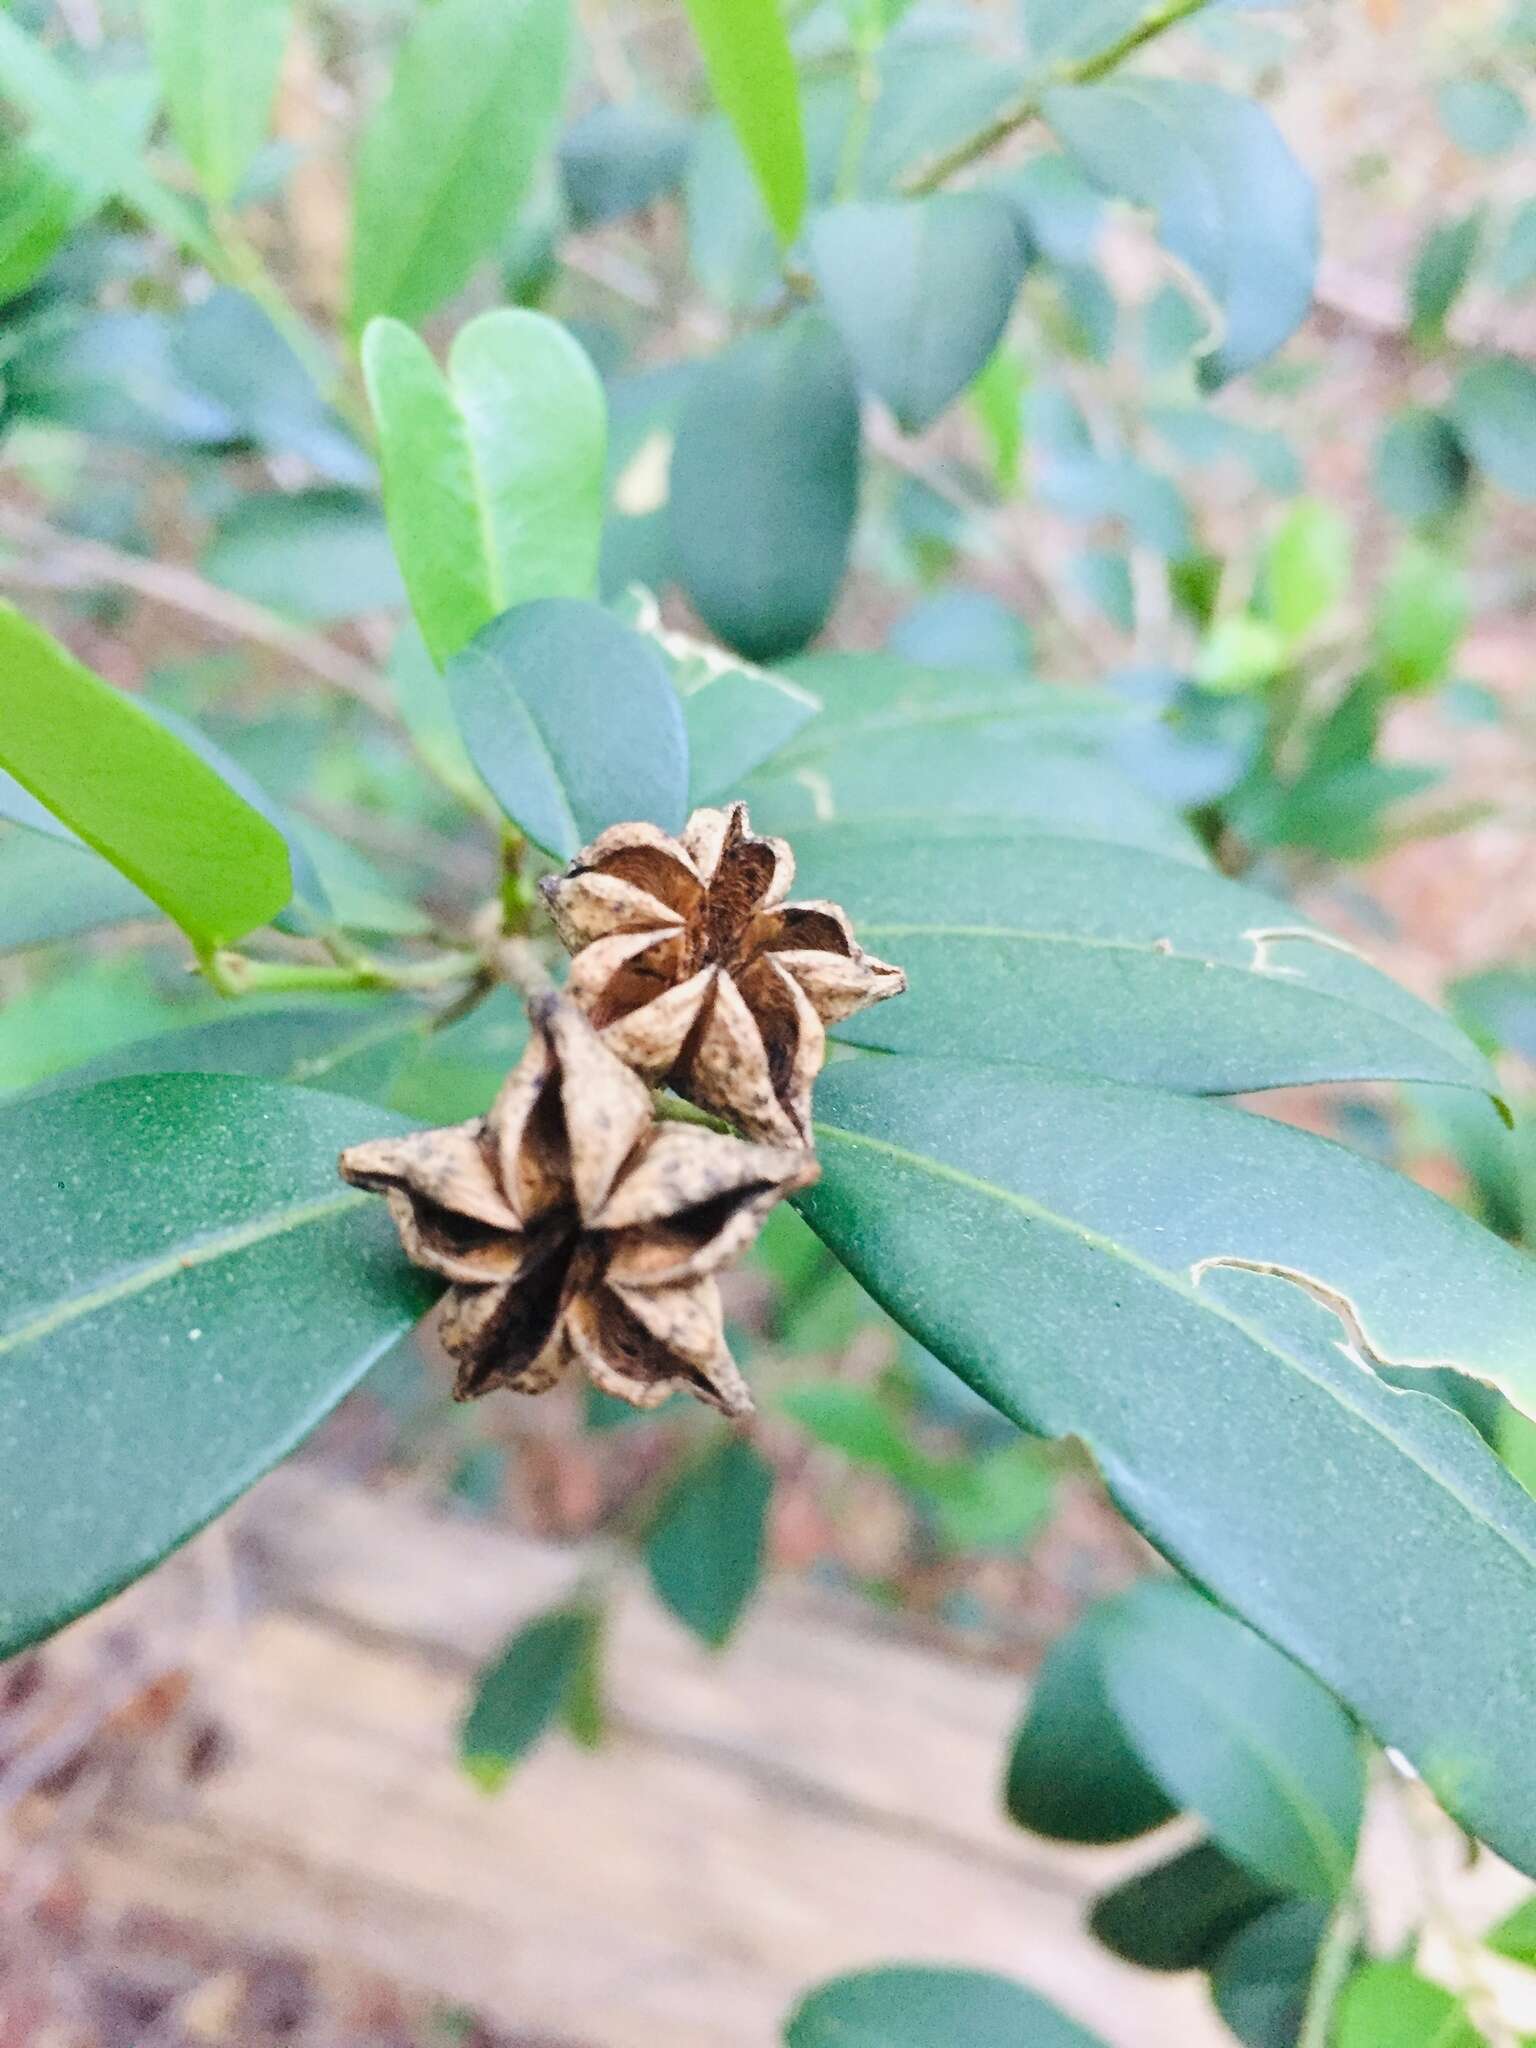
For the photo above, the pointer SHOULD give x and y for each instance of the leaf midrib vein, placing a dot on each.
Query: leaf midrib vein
(139, 1279)
(1186, 1291)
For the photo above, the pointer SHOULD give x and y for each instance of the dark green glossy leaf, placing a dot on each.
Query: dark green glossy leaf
(572, 720)
(445, 160)
(765, 483)
(737, 718)
(1052, 1241)
(520, 1696)
(1230, 199)
(493, 475)
(920, 291)
(1072, 1774)
(187, 1289)
(912, 2006)
(350, 1047)
(52, 888)
(1494, 410)
(101, 1004)
(705, 1549)
(617, 159)
(1238, 1733)
(961, 752)
(128, 787)
(747, 54)
(1261, 1979)
(1440, 272)
(1101, 959)
(1178, 1915)
(1421, 467)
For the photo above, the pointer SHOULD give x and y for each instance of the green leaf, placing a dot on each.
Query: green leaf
(493, 475)
(617, 159)
(1067, 31)
(1239, 1734)
(1440, 272)
(1515, 1934)
(920, 291)
(1107, 960)
(1515, 265)
(1482, 116)
(1231, 201)
(737, 718)
(1179, 1915)
(316, 555)
(1072, 1773)
(98, 1006)
(913, 2006)
(959, 751)
(445, 161)
(347, 1047)
(129, 788)
(1239, 654)
(218, 62)
(1421, 467)
(38, 208)
(1052, 1241)
(80, 131)
(705, 1548)
(53, 888)
(1494, 411)
(1306, 568)
(573, 722)
(1389, 2005)
(747, 55)
(523, 1692)
(1421, 615)
(765, 486)
(1261, 1980)
(188, 1289)
(426, 711)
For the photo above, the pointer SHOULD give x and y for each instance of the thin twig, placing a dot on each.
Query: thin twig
(1335, 1958)
(1019, 112)
(65, 561)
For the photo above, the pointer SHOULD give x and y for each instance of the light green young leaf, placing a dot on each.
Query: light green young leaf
(1306, 568)
(38, 208)
(1100, 959)
(445, 161)
(705, 1550)
(572, 720)
(746, 52)
(1150, 1273)
(78, 130)
(1421, 614)
(910, 2005)
(1231, 201)
(493, 475)
(219, 62)
(1239, 1734)
(187, 1290)
(523, 1692)
(140, 796)
(1389, 2005)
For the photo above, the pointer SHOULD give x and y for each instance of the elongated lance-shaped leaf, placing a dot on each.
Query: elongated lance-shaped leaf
(1201, 1295)
(134, 791)
(446, 158)
(493, 475)
(77, 130)
(218, 62)
(747, 54)
(1108, 960)
(185, 1290)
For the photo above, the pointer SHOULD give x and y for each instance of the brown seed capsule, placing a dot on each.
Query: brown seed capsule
(575, 1228)
(700, 976)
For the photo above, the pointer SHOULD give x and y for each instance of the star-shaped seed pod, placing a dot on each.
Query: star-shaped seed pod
(576, 1229)
(700, 975)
